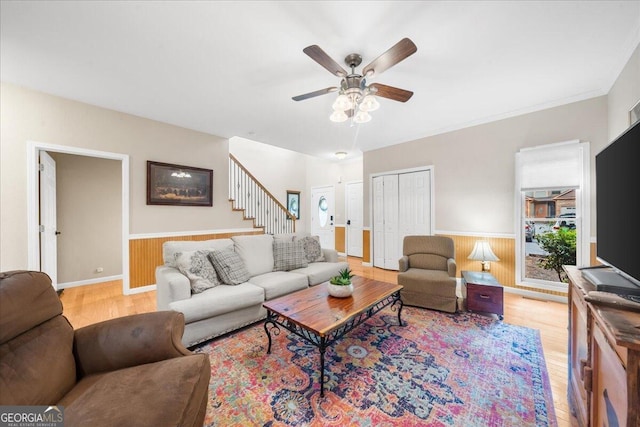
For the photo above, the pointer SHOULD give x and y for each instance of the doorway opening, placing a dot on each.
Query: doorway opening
(33, 204)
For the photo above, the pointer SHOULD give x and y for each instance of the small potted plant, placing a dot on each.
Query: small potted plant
(340, 286)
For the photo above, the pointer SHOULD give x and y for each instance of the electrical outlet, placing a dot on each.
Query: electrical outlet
(99, 270)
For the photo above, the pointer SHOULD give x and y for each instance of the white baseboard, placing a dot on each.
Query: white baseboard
(536, 295)
(89, 282)
(141, 289)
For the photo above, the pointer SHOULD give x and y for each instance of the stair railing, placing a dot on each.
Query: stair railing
(247, 194)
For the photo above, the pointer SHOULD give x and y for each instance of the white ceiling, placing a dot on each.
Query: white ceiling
(231, 68)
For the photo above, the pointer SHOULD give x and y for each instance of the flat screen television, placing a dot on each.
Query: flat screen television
(618, 217)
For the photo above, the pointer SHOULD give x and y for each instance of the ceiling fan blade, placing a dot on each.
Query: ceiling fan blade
(325, 60)
(400, 51)
(391, 92)
(316, 93)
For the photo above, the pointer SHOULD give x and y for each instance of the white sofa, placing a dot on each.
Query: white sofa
(224, 308)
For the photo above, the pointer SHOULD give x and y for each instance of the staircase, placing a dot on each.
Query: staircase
(247, 194)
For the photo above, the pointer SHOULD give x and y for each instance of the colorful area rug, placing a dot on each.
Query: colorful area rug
(438, 370)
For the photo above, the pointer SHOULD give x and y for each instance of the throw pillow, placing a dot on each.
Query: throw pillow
(312, 249)
(229, 267)
(288, 255)
(198, 268)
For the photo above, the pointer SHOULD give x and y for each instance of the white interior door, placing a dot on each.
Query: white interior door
(378, 221)
(414, 204)
(392, 244)
(322, 215)
(48, 222)
(354, 219)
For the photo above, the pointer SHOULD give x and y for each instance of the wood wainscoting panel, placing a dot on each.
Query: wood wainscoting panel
(504, 270)
(340, 239)
(366, 246)
(145, 254)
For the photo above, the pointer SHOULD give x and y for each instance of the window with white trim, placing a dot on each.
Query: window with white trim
(552, 205)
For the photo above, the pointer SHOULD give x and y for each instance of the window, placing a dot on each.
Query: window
(552, 209)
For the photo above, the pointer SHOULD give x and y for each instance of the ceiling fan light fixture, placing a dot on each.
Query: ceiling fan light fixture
(338, 116)
(342, 103)
(361, 117)
(369, 103)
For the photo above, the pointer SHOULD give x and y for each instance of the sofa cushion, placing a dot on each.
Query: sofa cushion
(217, 301)
(170, 248)
(319, 272)
(279, 283)
(169, 392)
(229, 266)
(197, 266)
(428, 262)
(312, 249)
(288, 255)
(431, 282)
(256, 251)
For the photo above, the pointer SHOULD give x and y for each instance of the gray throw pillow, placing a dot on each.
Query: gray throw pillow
(198, 268)
(288, 255)
(229, 266)
(312, 249)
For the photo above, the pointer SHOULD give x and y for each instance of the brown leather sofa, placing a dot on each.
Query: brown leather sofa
(129, 371)
(427, 272)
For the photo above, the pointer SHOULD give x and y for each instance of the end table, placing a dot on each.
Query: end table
(482, 293)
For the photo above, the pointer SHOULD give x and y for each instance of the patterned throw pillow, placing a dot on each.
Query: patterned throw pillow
(197, 267)
(312, 249)
(288, 255)
(229, 267)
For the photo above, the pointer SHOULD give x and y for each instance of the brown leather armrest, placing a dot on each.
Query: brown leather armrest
(129, 341)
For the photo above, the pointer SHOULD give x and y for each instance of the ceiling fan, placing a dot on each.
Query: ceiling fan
(357, 98)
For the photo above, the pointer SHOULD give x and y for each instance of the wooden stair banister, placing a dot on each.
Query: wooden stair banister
(247, 194)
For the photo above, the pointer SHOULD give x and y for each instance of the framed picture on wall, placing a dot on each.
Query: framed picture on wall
(634, 113)
(178, 185)
(293, 203)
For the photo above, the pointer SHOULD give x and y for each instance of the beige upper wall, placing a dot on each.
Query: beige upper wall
(474, 168)
(624, 94)
(29, 115)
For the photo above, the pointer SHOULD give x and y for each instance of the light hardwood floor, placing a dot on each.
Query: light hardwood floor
(90, 304)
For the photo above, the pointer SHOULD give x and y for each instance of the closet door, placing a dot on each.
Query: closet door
(378, 221)
(414, 204)
(392, 244)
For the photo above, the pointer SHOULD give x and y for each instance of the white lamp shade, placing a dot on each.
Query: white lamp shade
(342, 103)
(369, 103)
(338, 116)
(482, 252)
(361, 117)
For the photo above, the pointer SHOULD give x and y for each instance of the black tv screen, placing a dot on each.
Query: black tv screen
(617, 195)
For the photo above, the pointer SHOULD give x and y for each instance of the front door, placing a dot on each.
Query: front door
(322, 215)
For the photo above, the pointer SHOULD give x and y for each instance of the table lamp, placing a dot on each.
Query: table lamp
(482, 252)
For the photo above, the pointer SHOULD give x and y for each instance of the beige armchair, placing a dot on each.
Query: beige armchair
(428, 273)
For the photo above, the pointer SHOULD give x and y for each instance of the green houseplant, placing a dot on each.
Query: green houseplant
(561, 249)
(340, 286)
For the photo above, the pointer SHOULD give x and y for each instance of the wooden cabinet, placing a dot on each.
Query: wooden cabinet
(604, 359)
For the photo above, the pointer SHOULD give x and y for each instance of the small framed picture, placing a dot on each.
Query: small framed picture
(169, 184)
(634, 113)
(293, 203)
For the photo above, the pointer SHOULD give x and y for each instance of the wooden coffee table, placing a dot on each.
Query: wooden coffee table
(321, 319)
